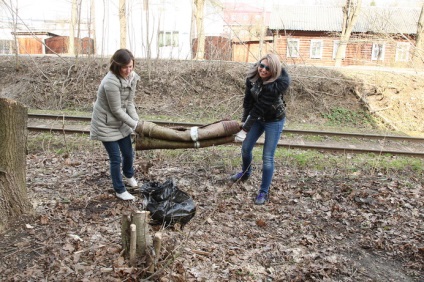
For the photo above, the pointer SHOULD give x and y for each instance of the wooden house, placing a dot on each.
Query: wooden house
(60, 45)
(381, 36)
(49, 43)
(310, 35)
(216, 48)
(32, 42)
(245, 25)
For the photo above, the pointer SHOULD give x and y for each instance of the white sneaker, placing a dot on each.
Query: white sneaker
(125, 196)
(131, 182)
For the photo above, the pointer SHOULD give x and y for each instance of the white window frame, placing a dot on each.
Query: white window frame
(336, 44)
(168, 39)
(6, 46)
(402, 51)
(315, 51)
(293, 51)
(378, 51)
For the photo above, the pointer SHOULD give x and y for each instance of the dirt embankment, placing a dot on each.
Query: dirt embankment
(207, 91)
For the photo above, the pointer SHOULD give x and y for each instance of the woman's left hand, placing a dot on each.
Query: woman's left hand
(240, 136)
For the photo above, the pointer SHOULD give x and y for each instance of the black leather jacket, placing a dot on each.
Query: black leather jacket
(264, 102)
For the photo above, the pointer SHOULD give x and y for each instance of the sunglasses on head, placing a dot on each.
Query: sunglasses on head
(262, 66)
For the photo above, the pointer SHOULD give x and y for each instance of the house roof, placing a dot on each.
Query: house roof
(321, 18)
(33, 33)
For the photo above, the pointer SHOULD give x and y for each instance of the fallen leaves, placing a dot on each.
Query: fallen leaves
(315, 227)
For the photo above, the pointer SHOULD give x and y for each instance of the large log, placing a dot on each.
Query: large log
(146, 143)
(210, 131)
(153, 136)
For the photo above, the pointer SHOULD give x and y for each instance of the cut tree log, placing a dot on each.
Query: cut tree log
(133, 244)
(136, 239)
(153, 136)
(144, 239)
(13, 139)
(157, 245)
(147, 143)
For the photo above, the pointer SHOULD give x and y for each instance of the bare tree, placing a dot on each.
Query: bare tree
(74, 12)
(92, 28)
(14, 15)
(78, 49)
(148, 41)
(199, 10)
(351, 11)
(149, 38)
(262, 33)
(419, 44)
(123, 23)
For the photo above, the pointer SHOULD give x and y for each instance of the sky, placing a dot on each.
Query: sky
(38, 12)
(54, 15)
(59, 9)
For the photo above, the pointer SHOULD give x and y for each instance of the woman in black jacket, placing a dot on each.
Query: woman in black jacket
(264, 111)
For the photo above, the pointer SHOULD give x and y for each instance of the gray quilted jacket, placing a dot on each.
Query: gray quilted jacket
(114, 114)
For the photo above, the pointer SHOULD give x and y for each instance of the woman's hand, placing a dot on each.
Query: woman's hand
(240, 136)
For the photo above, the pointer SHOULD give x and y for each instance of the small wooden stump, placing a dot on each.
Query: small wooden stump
(137, 242)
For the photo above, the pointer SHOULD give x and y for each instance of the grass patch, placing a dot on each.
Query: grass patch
(347, 163)
(345, 117)
(228, 157)
(61, 112)
(59, 143)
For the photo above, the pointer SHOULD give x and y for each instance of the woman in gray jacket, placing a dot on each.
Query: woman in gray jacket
(115, 118)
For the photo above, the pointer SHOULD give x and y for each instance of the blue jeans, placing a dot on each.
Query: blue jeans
(273, 130)
(114, 150)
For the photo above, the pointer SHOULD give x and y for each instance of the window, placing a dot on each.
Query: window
(292, 48)
(336, 44)
(316, 49)
(402, 51)
(6, 46)
(378, 51)
(168, 38)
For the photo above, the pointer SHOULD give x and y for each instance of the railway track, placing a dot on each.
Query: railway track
(359, 142)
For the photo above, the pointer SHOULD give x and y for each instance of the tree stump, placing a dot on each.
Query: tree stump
(14, 199)
(136, 239)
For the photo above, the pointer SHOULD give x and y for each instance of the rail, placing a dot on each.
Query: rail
(282, 143)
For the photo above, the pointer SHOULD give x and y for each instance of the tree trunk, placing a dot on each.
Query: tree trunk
(92, 33)
(418, 58)
(71, 45)
(140, 219)
(14, 199)
(123, 23)
(350, 16)
(200, 50)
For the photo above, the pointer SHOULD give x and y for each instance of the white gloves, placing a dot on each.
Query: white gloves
(240, 136)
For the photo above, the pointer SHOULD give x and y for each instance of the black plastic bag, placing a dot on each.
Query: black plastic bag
(167, 204)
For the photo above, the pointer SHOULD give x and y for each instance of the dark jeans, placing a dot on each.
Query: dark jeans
(114, 150)
(273, 132)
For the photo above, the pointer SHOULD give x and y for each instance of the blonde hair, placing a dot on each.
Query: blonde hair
(274, 68)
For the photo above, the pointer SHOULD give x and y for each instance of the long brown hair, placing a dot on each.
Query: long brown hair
(274, 68)
(122, 57)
